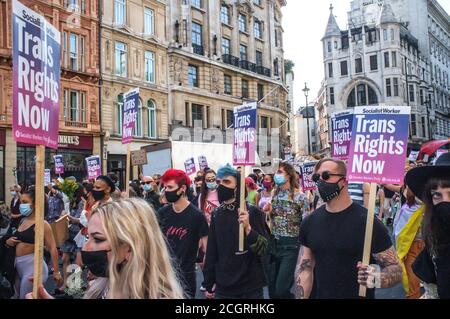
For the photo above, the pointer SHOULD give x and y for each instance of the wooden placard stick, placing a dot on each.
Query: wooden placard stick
(243, 206)
(127, 175)
(39, 220)
(369, 232)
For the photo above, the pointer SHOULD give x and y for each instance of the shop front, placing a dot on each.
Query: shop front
(73, 148)
(2, 164)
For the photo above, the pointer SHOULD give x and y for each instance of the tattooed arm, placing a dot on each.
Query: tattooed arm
(304, 273)
(391, 270)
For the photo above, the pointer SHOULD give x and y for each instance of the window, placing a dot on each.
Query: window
(137, 131)
(260, 92)
(362, 95)
(386, 59)
(424, 128)
(242, 22)
(65, 47)
(373, 62)
(394, 59)
(243, 52)
(258, 2)
(229, 118)
(244, 87)
(151, 119)
(332, 96)
(344, 68)
(227, 84)
(385, 34)
(196, 113)
(82, 53)
(149, 21)
(259, 58)
(193, 75)
(74, 52)
(258, 30)
(264, 122)
(225, 46)
(388, 88)
(396, 92)
(196, 34)
(119, 113)
(74, 106)
(413, 125)
(121, 59)
(345, 42)
(330, 70)
(149, 66)
(276, 68)
(119, 11)
(225, 14)
(329, 46)
(196, 3)
(421, 97)
(411, 93)
(358, 65)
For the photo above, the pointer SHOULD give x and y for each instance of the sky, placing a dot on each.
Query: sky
(304, 23)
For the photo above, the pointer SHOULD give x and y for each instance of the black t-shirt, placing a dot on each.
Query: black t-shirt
(183, 232)
(337, 242)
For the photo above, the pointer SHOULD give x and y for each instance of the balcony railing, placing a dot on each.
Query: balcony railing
(198, 49)
(247, 65)
(75, 124)
(229, 59)
(263, 71)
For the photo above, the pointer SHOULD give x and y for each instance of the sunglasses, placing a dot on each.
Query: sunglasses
(325, 176)
(210, 180)
(148, 183)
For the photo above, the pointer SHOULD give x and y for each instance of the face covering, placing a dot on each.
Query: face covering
(96, 262)
(279, 179)
(442, 210)
(267, 185)
(98, 195)
(172, 197)
(85, 196)
(25, 210)
(147, 187)
(198, 189)
(225, 193)
(13, 194)
(212, 185)
(328, 191)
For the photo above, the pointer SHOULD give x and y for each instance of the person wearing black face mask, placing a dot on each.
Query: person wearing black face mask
(227, 273)
(183, 225)
(431, 184)
(331, 259)
(103, 188)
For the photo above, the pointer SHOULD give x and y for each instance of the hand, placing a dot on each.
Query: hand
(267, 208)
(244, 220)
(209, 295)
(366, 275)
(12, 242)
(43, 294)
(58, 278)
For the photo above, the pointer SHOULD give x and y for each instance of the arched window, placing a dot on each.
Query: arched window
(137, 132)
(119, 113)
(151, 119)
(362, 95)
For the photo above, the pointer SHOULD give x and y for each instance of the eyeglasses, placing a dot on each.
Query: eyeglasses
(325, 176)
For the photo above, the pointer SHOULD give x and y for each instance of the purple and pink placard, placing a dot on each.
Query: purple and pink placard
(341, 134)
(36, 78)
(307, 173)
(129, 115)
(59, 165)
(244, 139)
(202, 162)
(379, 144)
(94, 167)
(189, 166)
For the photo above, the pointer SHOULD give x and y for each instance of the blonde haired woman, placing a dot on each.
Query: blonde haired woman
(127, 253)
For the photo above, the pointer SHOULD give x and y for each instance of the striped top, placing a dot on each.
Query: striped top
(356, 193)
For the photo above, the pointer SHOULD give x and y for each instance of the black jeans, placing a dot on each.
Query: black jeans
(190, 284)
(253, 294)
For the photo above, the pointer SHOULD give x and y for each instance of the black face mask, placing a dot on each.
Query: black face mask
(198, 189)
(225, 193)
(173, 197)
(85, 196)
(328, 191)
(98, 195)
(96, 262)
(442, 211)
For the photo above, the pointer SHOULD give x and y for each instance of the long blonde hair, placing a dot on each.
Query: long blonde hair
(148, 273)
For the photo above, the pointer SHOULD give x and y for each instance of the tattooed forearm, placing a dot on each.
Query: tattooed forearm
(304, 273)
(391, 270)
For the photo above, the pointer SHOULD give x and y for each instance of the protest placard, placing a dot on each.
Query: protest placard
(341, 134)
(189, 166)
(94, 167)
(244, 145)
(307, 172)
(59, 165)
(202, 162)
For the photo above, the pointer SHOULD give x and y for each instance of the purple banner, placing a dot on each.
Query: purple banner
(59, 165)
(244, 146)
(307, 173)
(202, 162)
(379, 144)
(129, 115)
(189, 166)
(36, 75)
(341, 134)
(94, 167)
(47, 177)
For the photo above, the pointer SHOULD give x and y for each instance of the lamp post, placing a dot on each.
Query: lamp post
(306, 91)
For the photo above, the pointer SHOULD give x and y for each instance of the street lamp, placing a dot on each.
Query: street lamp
(306, 91)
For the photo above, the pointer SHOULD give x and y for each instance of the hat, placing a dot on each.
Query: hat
(417, 178)
(108, 181)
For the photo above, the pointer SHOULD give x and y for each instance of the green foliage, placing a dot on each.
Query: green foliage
(69, 187)
(288, 66)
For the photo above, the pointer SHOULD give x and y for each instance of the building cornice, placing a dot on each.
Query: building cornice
(133, 83)
(135, 36)
(440, 10)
